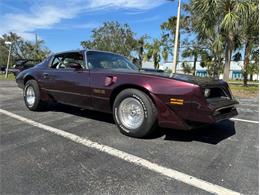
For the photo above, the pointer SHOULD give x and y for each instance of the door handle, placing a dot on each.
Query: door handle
(45, 75)
(109, 80)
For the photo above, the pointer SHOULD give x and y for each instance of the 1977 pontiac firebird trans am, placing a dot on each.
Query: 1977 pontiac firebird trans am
(139, 100)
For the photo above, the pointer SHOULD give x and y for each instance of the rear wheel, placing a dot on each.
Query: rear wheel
(32, 96)
(134, 113)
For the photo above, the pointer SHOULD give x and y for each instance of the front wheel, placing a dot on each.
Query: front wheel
(32, 96)
(134, 113)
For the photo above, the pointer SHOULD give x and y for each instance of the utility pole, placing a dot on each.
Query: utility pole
(9, 56)
(36, 47)
(175, 54)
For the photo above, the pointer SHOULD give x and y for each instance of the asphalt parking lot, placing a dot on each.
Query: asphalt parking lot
(36, 161)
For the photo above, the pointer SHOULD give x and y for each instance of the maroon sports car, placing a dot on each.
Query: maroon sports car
(139, 100)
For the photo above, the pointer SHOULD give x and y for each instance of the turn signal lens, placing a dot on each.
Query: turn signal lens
(176, 101)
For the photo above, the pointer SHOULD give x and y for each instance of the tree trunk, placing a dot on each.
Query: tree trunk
(246, 62)
(216, 68)
(141, 54)
(194, 65)
(251, 77)
(141, 61)
(219, 67)
(228, 54)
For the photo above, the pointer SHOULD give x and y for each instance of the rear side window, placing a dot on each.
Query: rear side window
(63, 61)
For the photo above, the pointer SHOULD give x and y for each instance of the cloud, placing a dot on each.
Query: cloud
(126, 4)
(153, 18)
(89, 25)
(47, 14)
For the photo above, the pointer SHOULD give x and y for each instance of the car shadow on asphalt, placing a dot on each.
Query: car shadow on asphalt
(211, 134)
(90, 114)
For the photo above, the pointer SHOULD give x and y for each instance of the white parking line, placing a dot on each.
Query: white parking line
(244, 120)
(179, 176)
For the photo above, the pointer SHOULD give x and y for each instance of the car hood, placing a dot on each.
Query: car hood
(201, 81)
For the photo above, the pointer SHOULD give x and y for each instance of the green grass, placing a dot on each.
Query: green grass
(10, 77)
(250, 91)
(240, 81)
(243, 88)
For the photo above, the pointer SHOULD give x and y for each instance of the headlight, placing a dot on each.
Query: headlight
(207, 93)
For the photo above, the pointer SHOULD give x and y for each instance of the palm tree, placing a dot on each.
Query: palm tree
(17, 43)
(168, 33)
(212, 62)
(187, 69)
(252, 68)
(193, 50)
(140, 47)
(22, 49)
(153, 52)
(250, 34)
(165, 54)
(169, 27)
(223, 15)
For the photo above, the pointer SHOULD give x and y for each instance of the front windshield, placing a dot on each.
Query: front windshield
(103, 60)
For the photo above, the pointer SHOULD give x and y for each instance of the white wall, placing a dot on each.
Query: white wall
(234, 66)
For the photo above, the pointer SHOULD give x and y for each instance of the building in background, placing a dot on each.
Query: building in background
(236, 68)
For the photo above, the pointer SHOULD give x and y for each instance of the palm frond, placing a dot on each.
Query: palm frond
(229, 22)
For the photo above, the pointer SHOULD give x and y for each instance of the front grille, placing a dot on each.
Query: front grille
(223, 111)
(225, 114)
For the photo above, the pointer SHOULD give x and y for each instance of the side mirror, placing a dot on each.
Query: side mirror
(75, 66)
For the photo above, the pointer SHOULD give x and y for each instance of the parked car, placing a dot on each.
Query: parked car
(2, 68)
(139, 100)
(22, 64)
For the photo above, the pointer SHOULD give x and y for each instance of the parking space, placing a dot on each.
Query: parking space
(36, 161)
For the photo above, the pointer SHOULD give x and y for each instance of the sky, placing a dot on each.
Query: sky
(63, 24)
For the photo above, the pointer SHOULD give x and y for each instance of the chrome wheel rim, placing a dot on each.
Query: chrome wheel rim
(131, 113)
(30, 96)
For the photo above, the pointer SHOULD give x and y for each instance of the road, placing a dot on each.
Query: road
(35, 160)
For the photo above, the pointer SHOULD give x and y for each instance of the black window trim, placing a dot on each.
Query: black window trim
(54, 55)
(97, 51)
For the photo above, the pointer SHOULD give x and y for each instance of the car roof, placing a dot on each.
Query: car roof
(81, 50)
(68, 51)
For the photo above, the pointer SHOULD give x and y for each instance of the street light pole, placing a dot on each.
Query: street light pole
(8, 60)
(175, 54)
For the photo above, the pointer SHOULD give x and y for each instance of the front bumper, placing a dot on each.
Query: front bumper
(222, 109)
(216, 110)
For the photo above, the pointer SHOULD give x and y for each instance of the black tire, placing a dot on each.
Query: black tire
(150, 113)
(38, 103)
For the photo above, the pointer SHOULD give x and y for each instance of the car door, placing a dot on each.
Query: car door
(66, 84)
